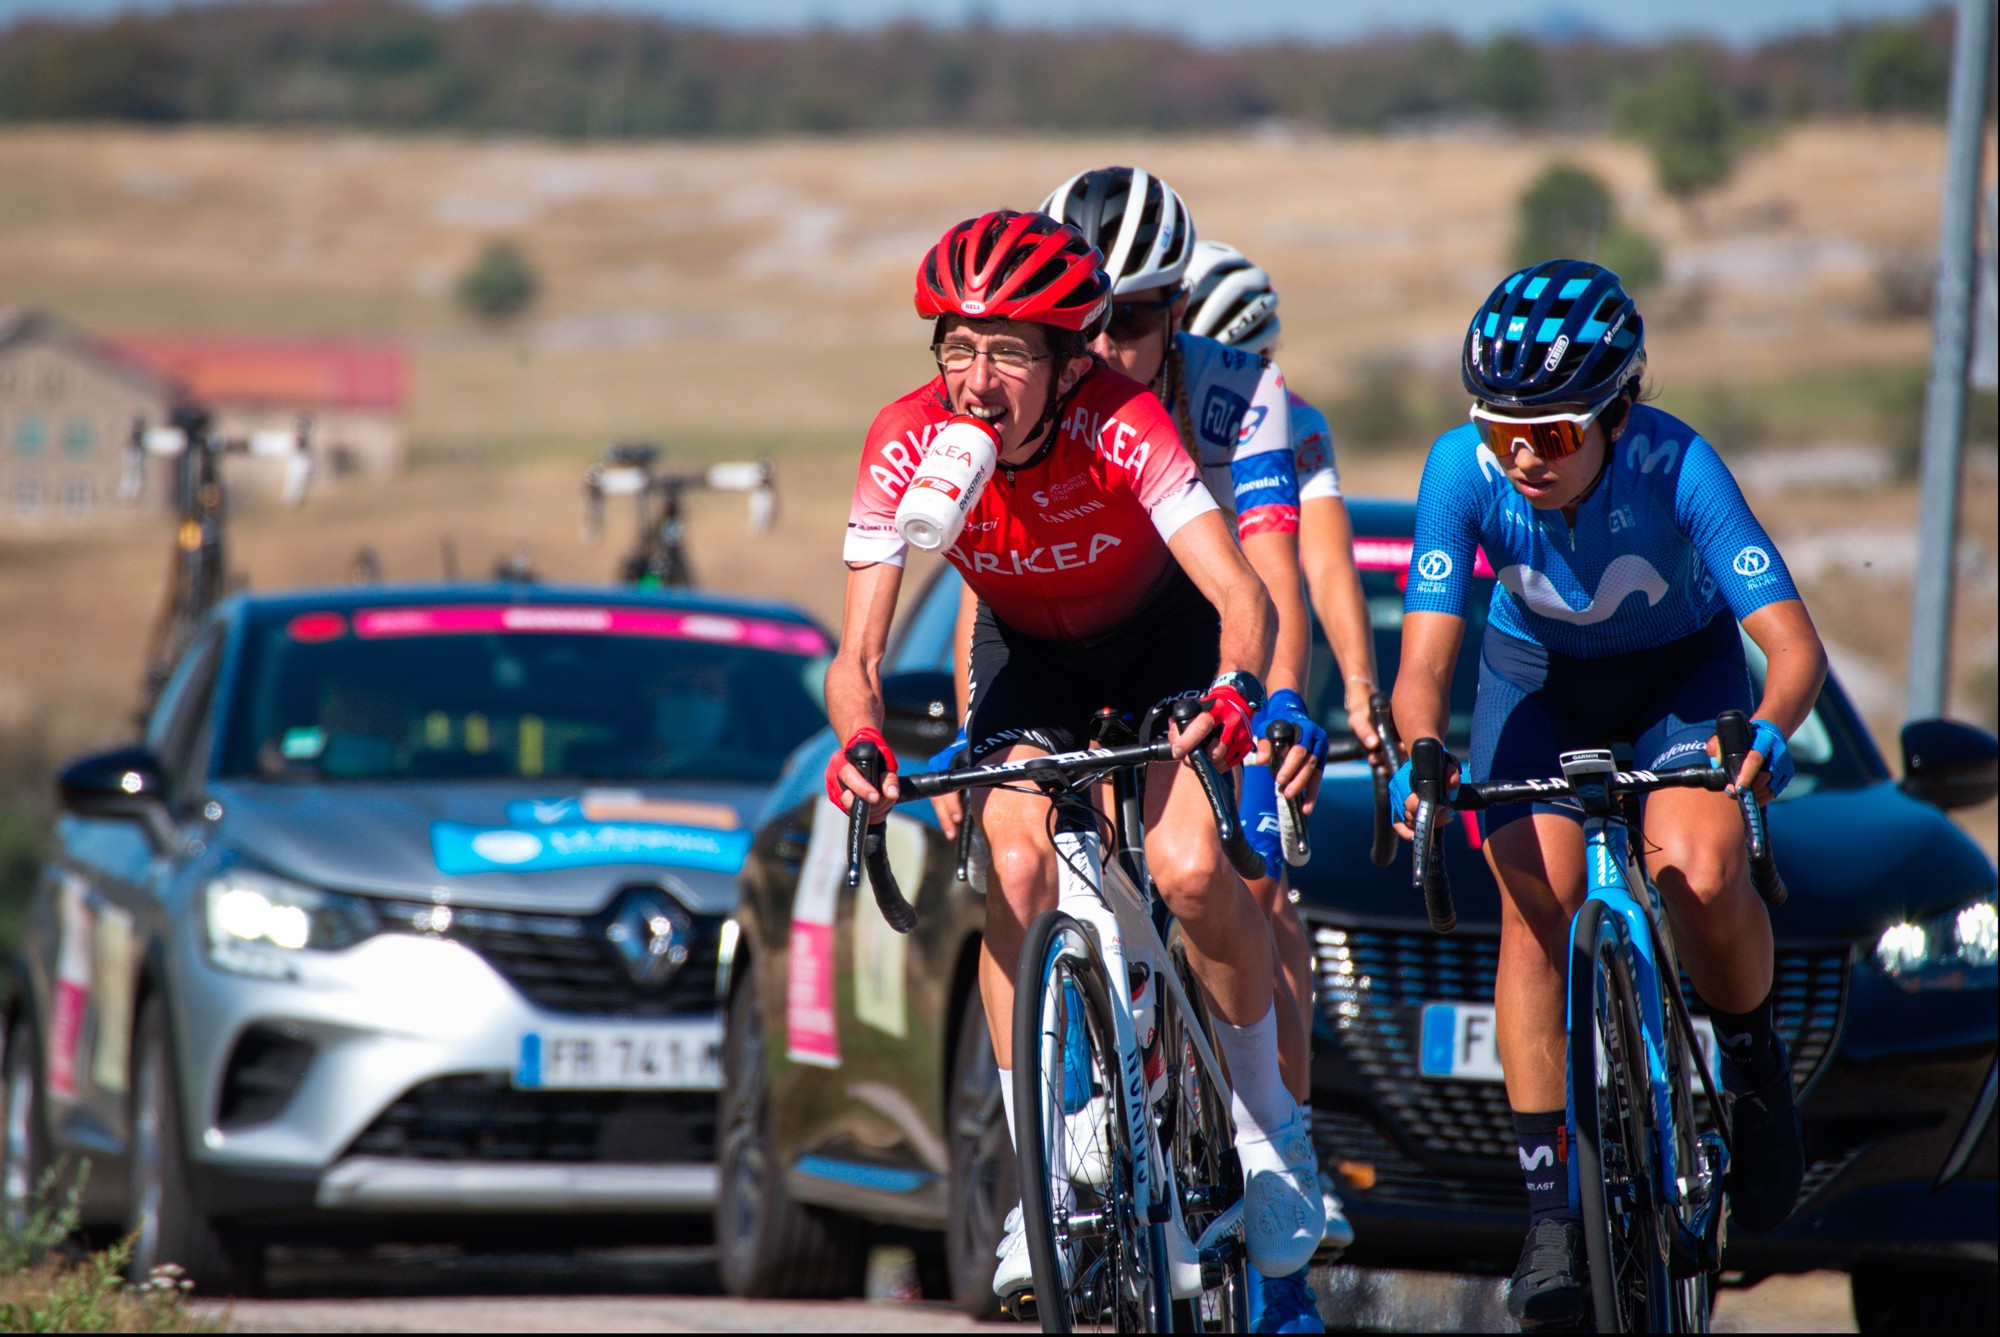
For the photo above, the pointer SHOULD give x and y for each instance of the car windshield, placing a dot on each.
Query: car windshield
(504, 691)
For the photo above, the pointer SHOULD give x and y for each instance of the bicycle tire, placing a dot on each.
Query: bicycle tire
(1631, 1283)
(1693, 1293)
(1199, 1139)
(1097, 1264)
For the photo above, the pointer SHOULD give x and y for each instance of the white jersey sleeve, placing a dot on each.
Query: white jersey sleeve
(1312, 452)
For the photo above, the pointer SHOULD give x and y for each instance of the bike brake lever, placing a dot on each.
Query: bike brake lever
(864, 845)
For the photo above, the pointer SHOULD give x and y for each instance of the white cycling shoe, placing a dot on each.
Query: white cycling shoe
(1339, 1233)
(1284, 1216)
(1015, 1273)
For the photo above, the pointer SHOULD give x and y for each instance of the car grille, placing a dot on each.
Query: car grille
(566, 963)
(479, 1117)
(1372, 986)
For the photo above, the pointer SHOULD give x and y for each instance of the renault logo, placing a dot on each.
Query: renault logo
(650, 934)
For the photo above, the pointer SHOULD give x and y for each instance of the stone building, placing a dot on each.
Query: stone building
(68, 403)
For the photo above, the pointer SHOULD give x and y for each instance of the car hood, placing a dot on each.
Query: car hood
(525, 845)
(1855, 860)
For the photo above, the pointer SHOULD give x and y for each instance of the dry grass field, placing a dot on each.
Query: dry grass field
(753, 298)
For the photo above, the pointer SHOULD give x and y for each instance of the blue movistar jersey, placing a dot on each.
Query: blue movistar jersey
(1662, 544)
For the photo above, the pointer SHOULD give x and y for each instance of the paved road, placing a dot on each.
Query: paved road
(673, 1291)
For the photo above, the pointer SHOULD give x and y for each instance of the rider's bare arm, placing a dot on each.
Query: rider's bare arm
(1784, 631)
(1326, 546)
(1423, 682)
(854, 678)
(1274, 556)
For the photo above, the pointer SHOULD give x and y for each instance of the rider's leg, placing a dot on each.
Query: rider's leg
(1230, 950)
(1292, 988)
(1257, 810)
(1694, 842)
(1023, 885)
(1538, 861)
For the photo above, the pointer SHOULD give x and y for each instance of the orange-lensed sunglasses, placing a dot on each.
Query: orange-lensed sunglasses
(1551, 436)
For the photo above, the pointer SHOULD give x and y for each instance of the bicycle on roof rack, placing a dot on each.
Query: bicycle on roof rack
(199, 576)
(658, 559)
(1646, 1177)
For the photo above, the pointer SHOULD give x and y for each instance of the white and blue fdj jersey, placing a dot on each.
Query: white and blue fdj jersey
(1660, 546)
(1241, 425)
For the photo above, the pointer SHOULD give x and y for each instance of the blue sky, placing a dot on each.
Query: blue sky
(1227, 20)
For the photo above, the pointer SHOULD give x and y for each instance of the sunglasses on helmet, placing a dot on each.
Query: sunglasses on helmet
(1552, 436)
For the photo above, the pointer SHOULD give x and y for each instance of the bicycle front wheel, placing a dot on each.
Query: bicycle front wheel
(1098, 1265)
(1617, 1133)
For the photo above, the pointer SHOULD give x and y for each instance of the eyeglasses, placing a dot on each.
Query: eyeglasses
(1130, 319)
(1552, 436)
(1011, 362)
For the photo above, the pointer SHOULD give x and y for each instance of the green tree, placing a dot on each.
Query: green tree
(500, 285)
(1894, 68)
(1687, 123)
(1508, 80)
(1567, 213)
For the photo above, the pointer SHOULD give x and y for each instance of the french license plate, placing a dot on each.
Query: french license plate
(1458, 1042)
(677, 1056)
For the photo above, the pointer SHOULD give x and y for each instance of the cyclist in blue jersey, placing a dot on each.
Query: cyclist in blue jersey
(1626, 556)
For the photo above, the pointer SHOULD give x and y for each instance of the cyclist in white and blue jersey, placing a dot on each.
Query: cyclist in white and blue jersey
(1235, 418)
(1626, 557)
(1233, 301)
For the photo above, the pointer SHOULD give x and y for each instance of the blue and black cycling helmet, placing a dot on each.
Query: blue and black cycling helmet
(1559, 332)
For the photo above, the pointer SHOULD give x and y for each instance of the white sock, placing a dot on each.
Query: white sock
(1260, 1103)
(1007, 1103)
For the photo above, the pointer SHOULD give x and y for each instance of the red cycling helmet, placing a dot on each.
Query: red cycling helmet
(1008, 265)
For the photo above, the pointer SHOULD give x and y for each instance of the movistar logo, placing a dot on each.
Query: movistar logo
(1627, 575)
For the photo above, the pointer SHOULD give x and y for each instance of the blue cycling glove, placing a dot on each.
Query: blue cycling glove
(1400, 787)
(947, 757)
(1767, 738)
(1286, 704)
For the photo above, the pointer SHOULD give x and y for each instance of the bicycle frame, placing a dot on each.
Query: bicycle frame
(1102, 897)
(1607, 854)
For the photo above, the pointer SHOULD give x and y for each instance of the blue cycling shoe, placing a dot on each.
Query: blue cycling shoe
(1283, 1304)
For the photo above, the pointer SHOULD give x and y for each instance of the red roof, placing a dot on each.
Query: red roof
(308, 373)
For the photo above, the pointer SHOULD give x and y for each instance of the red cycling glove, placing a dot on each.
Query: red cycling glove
(837, 791)
(1232, 716)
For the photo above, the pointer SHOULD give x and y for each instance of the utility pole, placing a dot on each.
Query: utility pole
(1944, 399)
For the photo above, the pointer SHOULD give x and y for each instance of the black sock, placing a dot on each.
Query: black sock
(1544, 1147)
(1751, 1052)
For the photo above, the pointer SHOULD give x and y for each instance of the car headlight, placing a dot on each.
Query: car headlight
(257, 923)
(1964, 938)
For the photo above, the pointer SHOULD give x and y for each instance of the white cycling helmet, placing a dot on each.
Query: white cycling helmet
(1135, 218)
(1229, 299)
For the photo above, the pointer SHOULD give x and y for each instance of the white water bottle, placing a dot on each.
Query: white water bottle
(958, 465)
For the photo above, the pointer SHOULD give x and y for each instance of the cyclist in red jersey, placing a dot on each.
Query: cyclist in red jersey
(1109, 578)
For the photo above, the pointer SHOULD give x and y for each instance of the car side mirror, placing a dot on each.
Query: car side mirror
(1949, 764)
(126, 783)
(919, 714)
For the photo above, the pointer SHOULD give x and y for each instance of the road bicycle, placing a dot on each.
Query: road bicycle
(1646, 1175)
(200, 574)
(1131, 1190)
(658, 558)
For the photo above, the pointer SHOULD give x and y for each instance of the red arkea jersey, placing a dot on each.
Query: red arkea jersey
(1067, 546)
